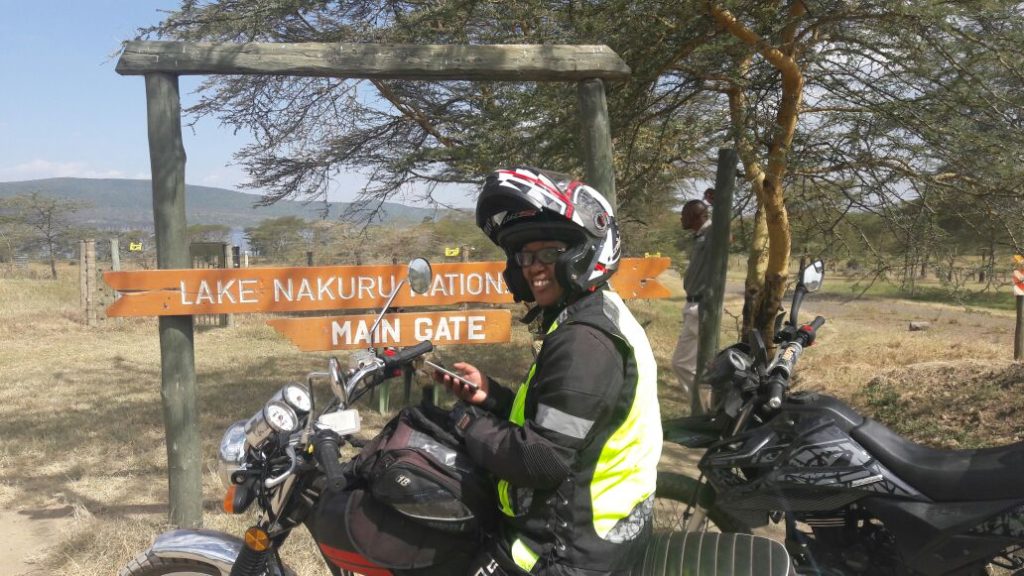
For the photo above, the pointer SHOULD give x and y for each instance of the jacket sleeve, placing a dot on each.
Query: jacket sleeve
(578, 380)
(499, 399)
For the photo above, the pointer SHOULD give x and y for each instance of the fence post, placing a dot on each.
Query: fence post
(710, 307)
(115, 255)
(227, 320)
(82, 288)
(1018, 332)
(91, 318)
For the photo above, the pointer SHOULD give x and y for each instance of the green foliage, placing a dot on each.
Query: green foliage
(208, 233)
(907, 144)
(41, 223)
(885, 401)
(403, 132)
(284, 239)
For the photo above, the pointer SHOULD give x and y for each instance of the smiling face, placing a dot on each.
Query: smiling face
(540, 276)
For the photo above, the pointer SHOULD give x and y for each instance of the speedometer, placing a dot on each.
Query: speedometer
(281, 417)
(275, 416)
(297, 396)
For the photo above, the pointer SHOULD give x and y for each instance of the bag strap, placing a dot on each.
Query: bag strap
(418, 418)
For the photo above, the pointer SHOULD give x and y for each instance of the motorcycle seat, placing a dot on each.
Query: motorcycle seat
(947, 475)
(712, 554)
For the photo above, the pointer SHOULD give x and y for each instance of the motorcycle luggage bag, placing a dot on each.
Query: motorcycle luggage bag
(359, 534)
(418, 469)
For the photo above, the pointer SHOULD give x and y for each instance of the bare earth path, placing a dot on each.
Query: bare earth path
(30, 533)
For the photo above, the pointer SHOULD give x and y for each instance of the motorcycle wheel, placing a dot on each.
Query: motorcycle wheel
(673, 509)
(147, 564)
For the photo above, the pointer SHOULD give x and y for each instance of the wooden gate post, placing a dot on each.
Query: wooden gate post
(718, 243)
(598, 165)
(177, 348)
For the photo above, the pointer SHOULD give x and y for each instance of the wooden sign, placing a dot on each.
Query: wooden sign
(243, 290)
(348, 332)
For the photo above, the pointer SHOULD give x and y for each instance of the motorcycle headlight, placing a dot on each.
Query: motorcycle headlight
(231, 455)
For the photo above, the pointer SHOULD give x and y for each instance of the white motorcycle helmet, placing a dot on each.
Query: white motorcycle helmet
(523, 205)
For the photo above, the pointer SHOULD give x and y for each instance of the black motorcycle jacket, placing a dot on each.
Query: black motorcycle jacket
(576, 449)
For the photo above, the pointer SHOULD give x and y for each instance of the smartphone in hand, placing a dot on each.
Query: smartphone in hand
(454, 376)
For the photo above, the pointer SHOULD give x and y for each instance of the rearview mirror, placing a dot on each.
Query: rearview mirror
(337, 379)
(813, 275)
(420, 275)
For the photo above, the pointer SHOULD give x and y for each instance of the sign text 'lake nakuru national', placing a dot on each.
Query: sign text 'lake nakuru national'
(183, 292)
(246, 290)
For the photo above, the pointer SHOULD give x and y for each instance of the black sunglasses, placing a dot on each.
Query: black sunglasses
(544, 256)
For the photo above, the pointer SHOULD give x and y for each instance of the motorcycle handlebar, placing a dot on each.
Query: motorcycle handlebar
(779, 379)
(808, 332)
(326, 448)
(405, 355)
(776, 386)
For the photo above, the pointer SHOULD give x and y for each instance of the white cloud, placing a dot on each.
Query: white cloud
(229, 177)
(39, 168)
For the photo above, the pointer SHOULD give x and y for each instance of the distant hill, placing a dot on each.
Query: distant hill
(117, 204)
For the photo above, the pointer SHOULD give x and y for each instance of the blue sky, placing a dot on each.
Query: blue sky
(65, 112)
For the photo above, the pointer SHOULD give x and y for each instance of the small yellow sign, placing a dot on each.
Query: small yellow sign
(135, 247)
(652, 254)
(451, 252)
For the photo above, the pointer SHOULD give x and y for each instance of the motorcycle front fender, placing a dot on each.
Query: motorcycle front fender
(215, 548)
(693, 431)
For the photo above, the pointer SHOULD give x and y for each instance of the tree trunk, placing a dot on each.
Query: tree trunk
(53, 261)
(784, 58)
(757, 263)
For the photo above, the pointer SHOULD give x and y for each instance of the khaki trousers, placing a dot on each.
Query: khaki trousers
(684, 359)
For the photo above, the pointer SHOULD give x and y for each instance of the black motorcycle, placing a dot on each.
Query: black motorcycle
(855, 498)
(285, 460)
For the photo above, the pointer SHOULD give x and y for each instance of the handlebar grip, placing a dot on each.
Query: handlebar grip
(404, 355)
(777, 385)
(809, 332)
(326, 448)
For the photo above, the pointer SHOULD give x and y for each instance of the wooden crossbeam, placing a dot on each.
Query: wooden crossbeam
(406, 61)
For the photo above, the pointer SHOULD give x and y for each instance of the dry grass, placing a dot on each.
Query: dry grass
(81, 429)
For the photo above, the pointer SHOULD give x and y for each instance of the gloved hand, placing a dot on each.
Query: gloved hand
(462, 417)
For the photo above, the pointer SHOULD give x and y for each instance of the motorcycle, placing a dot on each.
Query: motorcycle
(855, 498)
(285, 459)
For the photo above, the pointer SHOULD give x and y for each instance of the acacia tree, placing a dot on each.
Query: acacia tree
(309, 130)
(284, 239)
(851, 106)
(45, 218)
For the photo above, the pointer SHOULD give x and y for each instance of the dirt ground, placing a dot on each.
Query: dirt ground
(954, 385)
(29, 534)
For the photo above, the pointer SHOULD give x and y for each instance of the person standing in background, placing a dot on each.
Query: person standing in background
(695, 218)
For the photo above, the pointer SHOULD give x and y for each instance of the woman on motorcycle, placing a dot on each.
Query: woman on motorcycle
(575, 450)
